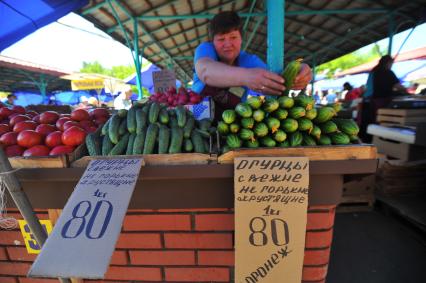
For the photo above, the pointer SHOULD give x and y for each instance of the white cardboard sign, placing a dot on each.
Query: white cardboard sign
(271, 199)
(163, 80)
(83, 239)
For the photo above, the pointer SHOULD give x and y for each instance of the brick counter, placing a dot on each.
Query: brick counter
(175, 245)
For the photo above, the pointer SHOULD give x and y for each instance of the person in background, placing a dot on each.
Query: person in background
(413, 88)
(331, 98)
(351, 93)
(84, 103)
(382, 87)
(123, 101)
(10, 101)
(222, 68)
(93, 102)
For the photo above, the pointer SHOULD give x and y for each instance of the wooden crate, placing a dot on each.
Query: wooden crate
(358, 194)
(398, 178)
(399, 150)
(60, 161)
(341, 152)
(156, 159)
(402, 117)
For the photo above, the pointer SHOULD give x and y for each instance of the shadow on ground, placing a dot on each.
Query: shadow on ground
(371, 247)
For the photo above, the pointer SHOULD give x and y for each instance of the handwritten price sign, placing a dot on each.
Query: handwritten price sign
(271, 199)
(84, 237)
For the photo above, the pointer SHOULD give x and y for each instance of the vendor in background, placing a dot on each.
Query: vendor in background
(220, 65)
(351, 92)
(123, 101)
(84, 103)
(382, 87)
(10, 100)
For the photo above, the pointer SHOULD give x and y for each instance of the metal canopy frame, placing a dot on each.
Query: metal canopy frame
(167, 32)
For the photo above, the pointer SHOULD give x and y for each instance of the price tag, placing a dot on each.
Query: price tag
(30, 242)
(163, 80)
(84, 237)
(271, 199)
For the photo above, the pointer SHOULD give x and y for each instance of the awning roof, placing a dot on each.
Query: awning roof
(169, 31)
(25, 76)
(20, 18)
(416, 54)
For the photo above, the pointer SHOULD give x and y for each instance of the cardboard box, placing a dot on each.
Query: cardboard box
(399, 150)
(202, 110)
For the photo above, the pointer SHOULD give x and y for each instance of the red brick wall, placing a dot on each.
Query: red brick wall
(175, 246)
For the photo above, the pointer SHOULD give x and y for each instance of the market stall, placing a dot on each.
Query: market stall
(180, 224)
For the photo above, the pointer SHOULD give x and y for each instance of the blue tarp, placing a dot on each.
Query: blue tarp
(147, 78)
(61, 98)
(19, 18)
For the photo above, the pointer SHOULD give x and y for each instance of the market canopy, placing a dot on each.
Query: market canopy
(20, 18)
(167, 32)
(20, 75)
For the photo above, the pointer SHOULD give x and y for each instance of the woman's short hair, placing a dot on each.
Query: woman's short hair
(225, 22)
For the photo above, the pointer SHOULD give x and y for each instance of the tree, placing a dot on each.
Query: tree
(119, 72)
(350, 60)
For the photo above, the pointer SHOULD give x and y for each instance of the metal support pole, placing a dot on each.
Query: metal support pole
(314, 72)
(275, 52)
(22, 202)
(391, 25)
(137, 58)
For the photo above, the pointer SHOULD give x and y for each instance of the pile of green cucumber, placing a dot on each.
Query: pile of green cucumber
(151, 128)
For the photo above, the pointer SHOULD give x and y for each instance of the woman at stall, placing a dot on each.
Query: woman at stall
(222, 68)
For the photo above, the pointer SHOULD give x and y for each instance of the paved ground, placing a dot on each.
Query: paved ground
(370, 247)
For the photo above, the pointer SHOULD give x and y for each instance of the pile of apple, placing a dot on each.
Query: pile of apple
(28, 133)
(172, 98)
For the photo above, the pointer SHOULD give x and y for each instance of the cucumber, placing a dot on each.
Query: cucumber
(93, 144)
(187, 145)
(188, 127)
(173, 122)
(129, 150)
(131, 120)
(204, 134)
(180, 116)
(204, 124)
(163, 139)
(176, 140)
(150, 138)
(141, 117)
(113, 127)
(121, 146)
(154, 110)
(139, 142)
(122, 113)
(122, 129)
(163, 116)
(197, 141)
(107, 145)
(104, 130)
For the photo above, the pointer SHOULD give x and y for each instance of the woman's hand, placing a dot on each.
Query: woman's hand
(263, 81)
(303, 78)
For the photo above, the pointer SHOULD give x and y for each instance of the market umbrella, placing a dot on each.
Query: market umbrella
(90, 81)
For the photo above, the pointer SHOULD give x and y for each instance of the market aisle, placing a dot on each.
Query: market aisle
(371, 247)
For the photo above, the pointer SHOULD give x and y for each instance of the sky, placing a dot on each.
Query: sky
(70, 41)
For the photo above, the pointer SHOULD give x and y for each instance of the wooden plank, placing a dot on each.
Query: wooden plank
(39, 161)
(401, 112)
(156, 159)
(344, 152)
(401, 120)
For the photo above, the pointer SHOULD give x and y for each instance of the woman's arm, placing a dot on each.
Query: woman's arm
(218, 74)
